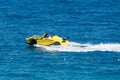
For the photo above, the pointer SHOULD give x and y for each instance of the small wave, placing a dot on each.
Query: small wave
(78, 47)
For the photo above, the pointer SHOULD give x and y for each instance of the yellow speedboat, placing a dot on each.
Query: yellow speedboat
(47, 40)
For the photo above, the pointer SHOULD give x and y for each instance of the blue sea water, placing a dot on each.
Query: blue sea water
(93, 23)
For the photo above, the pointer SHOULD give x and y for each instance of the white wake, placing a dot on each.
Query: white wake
(77, 47)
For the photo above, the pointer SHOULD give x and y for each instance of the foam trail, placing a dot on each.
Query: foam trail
(77, 47)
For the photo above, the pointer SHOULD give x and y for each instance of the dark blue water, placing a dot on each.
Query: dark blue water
(84, 21)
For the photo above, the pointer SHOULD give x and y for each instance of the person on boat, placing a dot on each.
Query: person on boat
(51, 36)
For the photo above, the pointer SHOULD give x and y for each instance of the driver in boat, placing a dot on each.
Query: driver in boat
(48, 36)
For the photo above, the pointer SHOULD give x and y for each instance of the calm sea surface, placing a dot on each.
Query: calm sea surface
(94, 23)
